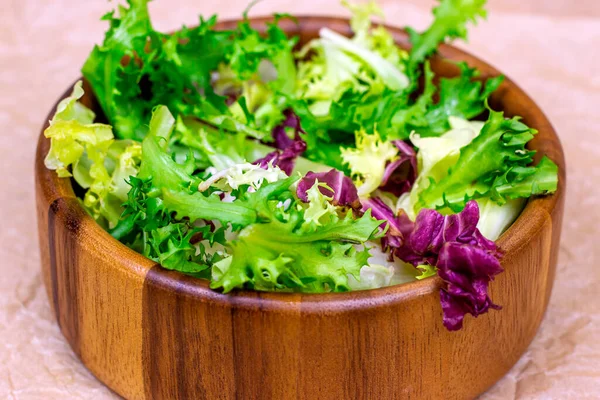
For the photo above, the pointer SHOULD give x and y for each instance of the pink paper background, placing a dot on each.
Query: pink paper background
(550, 47)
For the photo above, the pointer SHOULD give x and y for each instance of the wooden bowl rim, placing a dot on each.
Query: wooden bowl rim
(140, 266)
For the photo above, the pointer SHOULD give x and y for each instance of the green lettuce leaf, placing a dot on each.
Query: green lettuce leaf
(495, 218)
(391, 75)
(72, 131)
(148, 227)
(450, 22)
(250, 50)
(436, 156)
(137, 68)
(367, 161)
(200, 206)
(260, 72)
(278, 256)
(463, 96)
(368, 64)
(99, 164)
(277, 246)
(340, 76)
(495, 164)
(157, 164)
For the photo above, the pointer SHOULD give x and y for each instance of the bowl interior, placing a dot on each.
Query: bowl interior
(509, 98)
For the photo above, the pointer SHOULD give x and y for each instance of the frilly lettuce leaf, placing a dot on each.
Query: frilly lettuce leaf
(326, 76)
(391, 75)
(436, 155)
(368, 160)
(260, 70)
(137, 68)
(495, 164)
(250, 51)
(239, 175)
(71, 131)
(319, 205)
(450, 22)
(376, 38)
(369, 62)
(149, 227)
(100, 165)
(279, 256)
(157, 164)
(463, 96)
(221, 149)
(206, 206)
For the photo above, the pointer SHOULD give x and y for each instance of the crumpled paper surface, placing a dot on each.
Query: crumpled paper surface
(550, 47)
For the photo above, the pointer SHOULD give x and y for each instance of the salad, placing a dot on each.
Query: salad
(241, 157)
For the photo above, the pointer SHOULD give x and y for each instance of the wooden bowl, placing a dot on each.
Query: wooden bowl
(151, 333)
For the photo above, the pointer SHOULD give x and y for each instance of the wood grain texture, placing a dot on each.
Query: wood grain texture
(149, 333)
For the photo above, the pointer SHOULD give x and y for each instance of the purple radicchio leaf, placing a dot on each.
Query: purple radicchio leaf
(288, 149)
(343, 191)
(399, 226)
(285, 159)
(467, 271)
(400, 175)
(282, 140)
(432, 230)
(466, 261)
